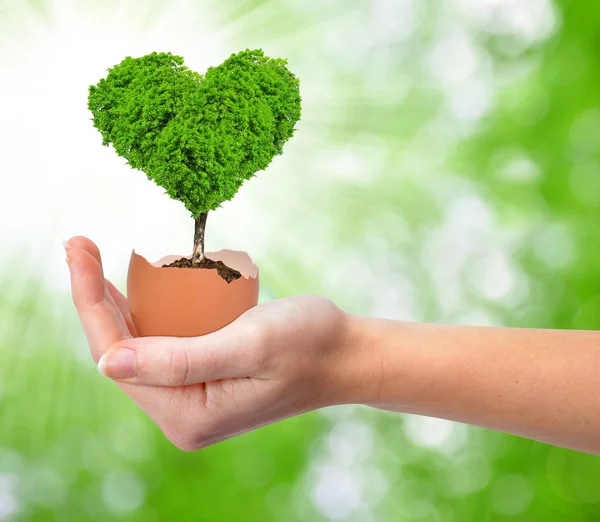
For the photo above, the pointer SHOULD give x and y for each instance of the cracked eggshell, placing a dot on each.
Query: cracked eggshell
(185, 302)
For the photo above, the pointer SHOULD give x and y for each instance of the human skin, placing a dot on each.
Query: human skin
(298, 354)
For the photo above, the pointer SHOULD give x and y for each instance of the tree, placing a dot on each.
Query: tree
(198, 137)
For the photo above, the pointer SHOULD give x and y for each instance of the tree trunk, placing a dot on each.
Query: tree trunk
(198, 254)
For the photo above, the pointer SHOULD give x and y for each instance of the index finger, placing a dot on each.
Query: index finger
(102, 321)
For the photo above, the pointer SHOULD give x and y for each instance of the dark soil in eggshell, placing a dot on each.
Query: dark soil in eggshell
(228, 274)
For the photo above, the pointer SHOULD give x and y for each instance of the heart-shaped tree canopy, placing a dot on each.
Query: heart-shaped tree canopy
(199, 137)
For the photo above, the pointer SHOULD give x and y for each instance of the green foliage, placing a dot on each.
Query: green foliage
(199, 137)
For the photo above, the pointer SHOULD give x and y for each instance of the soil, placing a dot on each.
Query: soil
(229, 274)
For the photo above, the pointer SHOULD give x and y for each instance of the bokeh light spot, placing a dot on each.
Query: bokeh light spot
(122, 491)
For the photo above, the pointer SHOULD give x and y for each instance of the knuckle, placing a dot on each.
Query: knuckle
(255, 347)
(184, 445)
(178, 433)
(188, 449)
(254, 334)
(181, 442)
(187, 440)
(319, 302)
(255, 339)
(179, 367)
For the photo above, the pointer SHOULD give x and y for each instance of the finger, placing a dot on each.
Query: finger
(101, 319)
(121, 302)
(174, 361)
(88, 245)
(119, 299)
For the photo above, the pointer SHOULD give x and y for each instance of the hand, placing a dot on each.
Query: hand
(277, 360)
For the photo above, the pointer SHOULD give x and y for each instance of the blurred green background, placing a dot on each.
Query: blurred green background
(447, 169)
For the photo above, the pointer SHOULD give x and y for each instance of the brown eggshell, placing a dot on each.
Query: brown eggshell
(185, 302)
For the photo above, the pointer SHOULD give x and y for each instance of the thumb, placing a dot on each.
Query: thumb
(174, 361)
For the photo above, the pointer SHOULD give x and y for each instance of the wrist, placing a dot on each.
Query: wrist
(363, 372)
(390, 363)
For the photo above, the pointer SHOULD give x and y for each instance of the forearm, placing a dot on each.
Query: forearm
(540, 384)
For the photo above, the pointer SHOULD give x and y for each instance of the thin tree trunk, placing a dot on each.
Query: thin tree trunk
(198, 254)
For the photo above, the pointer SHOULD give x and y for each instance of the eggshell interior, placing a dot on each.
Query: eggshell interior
(184, 302)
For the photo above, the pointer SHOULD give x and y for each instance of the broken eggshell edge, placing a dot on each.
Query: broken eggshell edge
(188, 302)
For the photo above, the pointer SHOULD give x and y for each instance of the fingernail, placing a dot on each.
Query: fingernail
(118, 364)
(67, 246)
